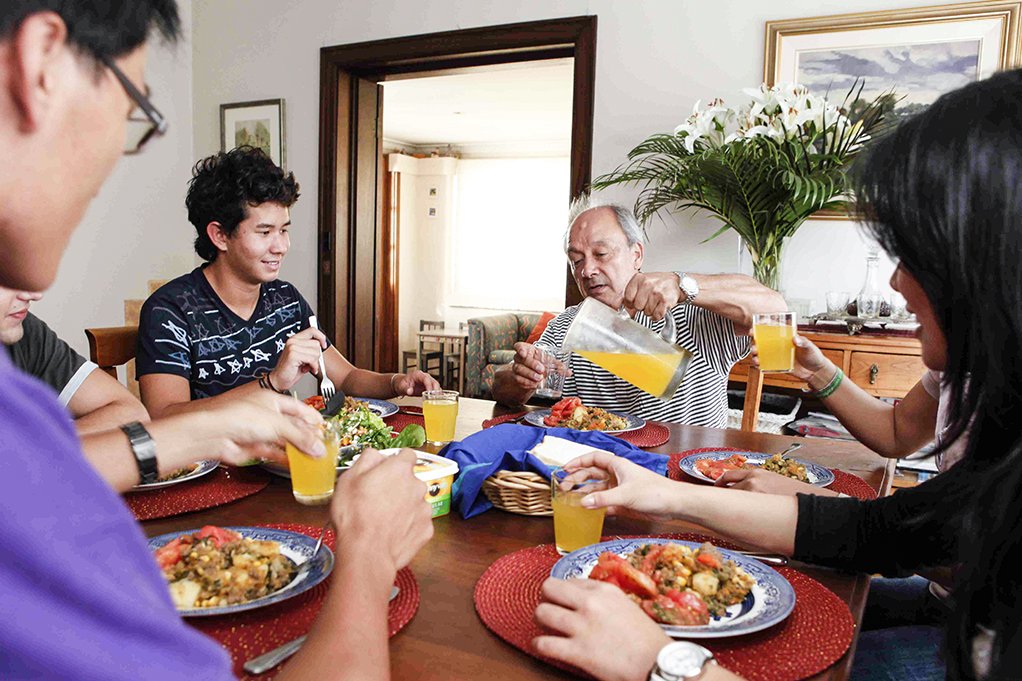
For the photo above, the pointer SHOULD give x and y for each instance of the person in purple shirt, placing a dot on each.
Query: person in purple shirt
(80, 595)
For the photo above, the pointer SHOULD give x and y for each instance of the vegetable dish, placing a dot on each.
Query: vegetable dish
(571, 413)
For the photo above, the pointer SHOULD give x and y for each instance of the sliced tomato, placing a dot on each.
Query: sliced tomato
(693, 610)
(708, 556)
(633, 581)
(316, 402)
(218, 535)
(649, 560)
(551, 421)
(664, 610)
(169, 553)
(563, 409)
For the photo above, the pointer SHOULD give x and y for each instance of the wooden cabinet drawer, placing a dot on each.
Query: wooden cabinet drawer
(885, 375)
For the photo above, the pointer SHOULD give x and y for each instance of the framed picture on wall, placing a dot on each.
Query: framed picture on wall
(258, 124)
(918, 54)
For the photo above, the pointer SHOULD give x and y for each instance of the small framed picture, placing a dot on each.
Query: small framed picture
(432, 191)
(432, 212)
(257, 124)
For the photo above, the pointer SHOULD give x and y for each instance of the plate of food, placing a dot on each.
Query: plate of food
(189, 472)
(571, 413)
(691, 590)
(711, 465)
(381, 408)
(252, 567)
(360, 426)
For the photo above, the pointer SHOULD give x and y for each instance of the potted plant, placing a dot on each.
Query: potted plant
(762, 170)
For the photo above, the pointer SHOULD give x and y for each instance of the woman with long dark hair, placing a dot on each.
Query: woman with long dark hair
(942, 195)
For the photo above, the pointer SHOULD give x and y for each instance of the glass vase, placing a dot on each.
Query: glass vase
(766, 268)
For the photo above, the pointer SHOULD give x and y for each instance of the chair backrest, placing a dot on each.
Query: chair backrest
(112, 346)
(428, 325)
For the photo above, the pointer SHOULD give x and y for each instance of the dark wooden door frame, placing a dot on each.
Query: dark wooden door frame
(350, 183)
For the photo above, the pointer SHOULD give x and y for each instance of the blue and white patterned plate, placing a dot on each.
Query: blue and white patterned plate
(199, 469)
(295, 545)
(535, 418)
(381, 408)
(818, 475)
(770, 601)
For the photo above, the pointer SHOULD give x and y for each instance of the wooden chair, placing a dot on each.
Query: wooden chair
(112, 346)
(452, 360)
(753, 395)
(431, 354)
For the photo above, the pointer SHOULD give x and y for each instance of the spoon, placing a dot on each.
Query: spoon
(267, 661)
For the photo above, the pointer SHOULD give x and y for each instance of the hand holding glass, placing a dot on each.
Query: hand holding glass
(575, 525)
(775, 341)
(313, 478)
(440, 412)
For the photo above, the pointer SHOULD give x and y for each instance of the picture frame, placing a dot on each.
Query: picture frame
(919, 53)
(259, 123)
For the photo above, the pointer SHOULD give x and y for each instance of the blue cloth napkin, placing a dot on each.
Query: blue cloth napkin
(505, 447)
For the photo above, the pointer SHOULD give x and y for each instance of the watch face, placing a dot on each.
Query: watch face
(682, 660)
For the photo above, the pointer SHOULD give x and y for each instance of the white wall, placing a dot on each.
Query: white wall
(655, 58)
(136, 228)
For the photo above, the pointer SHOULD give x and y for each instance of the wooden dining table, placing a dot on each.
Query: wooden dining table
(446, 639)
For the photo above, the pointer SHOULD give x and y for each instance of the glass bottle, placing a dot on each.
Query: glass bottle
(870, 300)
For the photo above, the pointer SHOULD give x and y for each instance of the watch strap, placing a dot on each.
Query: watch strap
(144, 449)
(690, 291)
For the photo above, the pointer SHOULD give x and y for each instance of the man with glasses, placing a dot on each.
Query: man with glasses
(82, 595)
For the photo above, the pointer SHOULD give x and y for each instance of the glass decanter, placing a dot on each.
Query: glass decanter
(870, 301)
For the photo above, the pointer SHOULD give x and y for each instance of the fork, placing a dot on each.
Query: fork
(326, 386)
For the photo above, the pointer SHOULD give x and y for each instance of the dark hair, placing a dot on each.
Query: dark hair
(943, 195)
(224, 184)
(101, 29)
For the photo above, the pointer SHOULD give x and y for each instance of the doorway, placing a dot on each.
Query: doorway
(356, 300)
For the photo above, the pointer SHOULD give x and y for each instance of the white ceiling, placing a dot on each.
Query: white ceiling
(528, 102)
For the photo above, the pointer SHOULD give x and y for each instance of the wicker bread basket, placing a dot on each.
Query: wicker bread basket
(522, 492)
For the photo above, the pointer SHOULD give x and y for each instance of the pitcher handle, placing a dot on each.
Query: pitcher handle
(669, 333)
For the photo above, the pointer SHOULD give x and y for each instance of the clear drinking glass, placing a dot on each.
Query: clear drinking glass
(775, 340)
(575, 525)
(312, 478)
(837, 302)
(440, 412)
(554, 365)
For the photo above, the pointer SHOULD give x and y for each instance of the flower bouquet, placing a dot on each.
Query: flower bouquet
(762, 170)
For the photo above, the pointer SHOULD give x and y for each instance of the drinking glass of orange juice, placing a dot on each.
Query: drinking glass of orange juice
(440, 412)
(312, 478)
(775, 340)
(575, 525)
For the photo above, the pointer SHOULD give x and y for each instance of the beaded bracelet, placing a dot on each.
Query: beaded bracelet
(828, 390)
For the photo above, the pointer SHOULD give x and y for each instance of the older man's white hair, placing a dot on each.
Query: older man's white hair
(625, 218)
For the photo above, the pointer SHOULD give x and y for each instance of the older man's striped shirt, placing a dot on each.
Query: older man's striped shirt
(701, 399)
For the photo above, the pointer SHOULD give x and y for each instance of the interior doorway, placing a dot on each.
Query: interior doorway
(356, 299)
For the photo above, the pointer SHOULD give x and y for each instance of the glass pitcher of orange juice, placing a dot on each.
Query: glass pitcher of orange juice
(627, 349)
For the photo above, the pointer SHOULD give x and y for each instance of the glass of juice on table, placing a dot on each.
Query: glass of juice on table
(775, 335)
(440, 412)
(627, 349)
(312, 478)
(575, 525)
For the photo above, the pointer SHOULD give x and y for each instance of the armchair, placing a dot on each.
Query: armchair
(491, 343)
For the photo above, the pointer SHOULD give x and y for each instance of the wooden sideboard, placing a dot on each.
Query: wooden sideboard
(882, 365)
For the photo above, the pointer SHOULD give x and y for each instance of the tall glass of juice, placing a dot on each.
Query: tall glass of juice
(313, 478)
(440, 412)
(775, 340)
(575, 525)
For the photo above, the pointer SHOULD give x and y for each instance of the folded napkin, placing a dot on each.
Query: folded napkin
(508, 446)
(556, 451)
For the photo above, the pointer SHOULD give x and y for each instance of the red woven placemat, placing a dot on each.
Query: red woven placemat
(650, 435)
(254, 632)
(219, 487)
(815, 635)
(844, 483)
(497, 420)
(401, 419)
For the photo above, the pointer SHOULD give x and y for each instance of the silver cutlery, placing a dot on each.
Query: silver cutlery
(790, 448)
(326, 386)
(267, 661)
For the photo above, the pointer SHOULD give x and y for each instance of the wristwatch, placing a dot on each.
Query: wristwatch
(689, 287)
(680, 661)
(144, 449)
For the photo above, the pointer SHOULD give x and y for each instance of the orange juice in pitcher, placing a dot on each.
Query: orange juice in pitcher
(628, 349)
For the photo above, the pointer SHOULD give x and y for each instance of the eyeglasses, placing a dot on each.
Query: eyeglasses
(140, 128)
